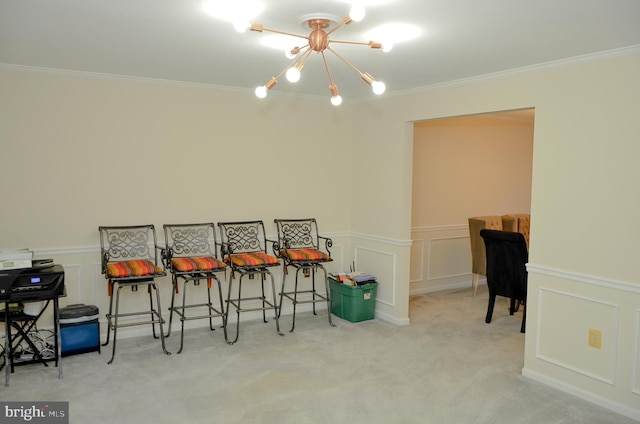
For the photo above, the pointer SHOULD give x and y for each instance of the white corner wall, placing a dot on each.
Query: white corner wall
(84, 152)
(584, 237)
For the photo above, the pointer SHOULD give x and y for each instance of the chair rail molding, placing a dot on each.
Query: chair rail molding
(464, 227)
(53, 251)
(385, 240)
(584, 278)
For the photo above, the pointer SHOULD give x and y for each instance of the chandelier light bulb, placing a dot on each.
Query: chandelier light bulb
(242, 26)
(378, 87)
(261, 92)
(293, 74)
(357, 12)
(289, 54)
(336, 100)
(386, 47)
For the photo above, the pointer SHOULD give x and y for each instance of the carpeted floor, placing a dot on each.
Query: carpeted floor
(447, 367)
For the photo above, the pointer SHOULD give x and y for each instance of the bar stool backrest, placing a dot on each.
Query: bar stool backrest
(190, 240)
(242, 237)
(297, 233)
(128, 243)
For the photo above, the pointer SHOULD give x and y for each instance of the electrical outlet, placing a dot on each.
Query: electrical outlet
(595, 338)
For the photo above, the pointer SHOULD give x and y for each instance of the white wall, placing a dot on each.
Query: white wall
(463, 167)
(79, 151)
(584, 235)
(66, 179)
(84, 152)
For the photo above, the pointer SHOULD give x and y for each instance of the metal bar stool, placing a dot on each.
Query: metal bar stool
(190, 256)
(299, 247)
(130, 259)
(243, 248)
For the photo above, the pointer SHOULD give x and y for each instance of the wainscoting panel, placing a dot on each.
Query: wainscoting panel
(418, 264)
(445, 260)
(635, 383)
(563, 338)
(75, 291)
(99, 283)
(382, 265)
(339, 260)
(564, 305)
(440, 258)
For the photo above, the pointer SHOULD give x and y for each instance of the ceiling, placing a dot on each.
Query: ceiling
(176, 40)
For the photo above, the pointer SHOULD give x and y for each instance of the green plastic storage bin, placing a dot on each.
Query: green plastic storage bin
(353, 303)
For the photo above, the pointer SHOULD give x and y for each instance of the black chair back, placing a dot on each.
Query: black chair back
(507, 257)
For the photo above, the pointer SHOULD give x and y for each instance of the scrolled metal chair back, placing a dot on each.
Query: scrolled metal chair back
(128, 243)
(297, 233)
(242, 237)
(184, 240)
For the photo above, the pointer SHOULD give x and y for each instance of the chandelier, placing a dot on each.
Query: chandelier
(319, 41)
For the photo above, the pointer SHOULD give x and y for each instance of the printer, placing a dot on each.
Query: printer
(43, 281)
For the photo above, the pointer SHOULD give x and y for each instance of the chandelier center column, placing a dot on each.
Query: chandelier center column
(318, 39)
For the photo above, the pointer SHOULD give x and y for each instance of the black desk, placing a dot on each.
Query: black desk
(23, 323)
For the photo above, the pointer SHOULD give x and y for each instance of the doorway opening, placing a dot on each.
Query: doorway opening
(462, 167)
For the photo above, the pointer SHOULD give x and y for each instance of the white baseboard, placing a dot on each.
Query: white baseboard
(391, 319)
(631, 413)
(442, 287)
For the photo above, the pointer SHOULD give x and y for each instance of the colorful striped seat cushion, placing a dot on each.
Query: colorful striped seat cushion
(306, 254)
(135, 268)
(208, 263)
(253, 259)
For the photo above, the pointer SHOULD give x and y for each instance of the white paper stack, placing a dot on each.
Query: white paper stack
(16, 258)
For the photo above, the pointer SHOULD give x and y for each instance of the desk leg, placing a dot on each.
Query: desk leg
(7, 347)
(58, 342)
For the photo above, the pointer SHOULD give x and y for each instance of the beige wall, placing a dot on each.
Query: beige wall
(61, 133)
(79, 151)
(84, 152)
(463, 167)
(470, 166)
(583, 237)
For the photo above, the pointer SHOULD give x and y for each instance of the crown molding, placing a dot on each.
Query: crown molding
(545, 66)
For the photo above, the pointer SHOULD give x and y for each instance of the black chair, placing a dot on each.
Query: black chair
(243, 247)
(190, 256)
(299, 247)
(507, 257)
(130, 258)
